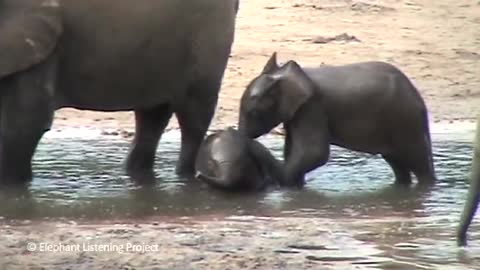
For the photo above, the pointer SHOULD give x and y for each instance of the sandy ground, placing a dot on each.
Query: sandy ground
(259, 243)
(232, 242)
(435, 42)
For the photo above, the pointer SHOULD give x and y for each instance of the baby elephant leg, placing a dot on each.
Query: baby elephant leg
(421, 162)
(305, 150)
(400, 170)
(414, 157)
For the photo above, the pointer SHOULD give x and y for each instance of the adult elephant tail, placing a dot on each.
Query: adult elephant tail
(473, 196)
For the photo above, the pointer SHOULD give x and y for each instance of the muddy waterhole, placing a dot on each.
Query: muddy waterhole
(79, 176)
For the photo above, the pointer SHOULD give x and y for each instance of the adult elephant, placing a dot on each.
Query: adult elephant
(473, 196)
(153, 57)
(370, 107)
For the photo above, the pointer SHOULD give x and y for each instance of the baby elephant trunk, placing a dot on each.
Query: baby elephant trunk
(225, 175)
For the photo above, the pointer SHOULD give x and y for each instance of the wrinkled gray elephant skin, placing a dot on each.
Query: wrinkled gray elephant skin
(370, 107)
(230, 161)
(157, 58)
(473, 197)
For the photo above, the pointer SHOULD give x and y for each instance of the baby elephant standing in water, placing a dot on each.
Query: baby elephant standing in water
(231, 161)
(370, 107)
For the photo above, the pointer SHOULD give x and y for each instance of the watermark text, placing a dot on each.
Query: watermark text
(92, 247)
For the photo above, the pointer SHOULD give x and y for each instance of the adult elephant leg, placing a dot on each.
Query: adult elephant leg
(473, 196)
(149, 126)
(17, 146)
(26, 112)
(401, 172)
(194, 117)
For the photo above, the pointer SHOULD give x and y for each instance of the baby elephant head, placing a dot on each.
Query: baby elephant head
(273, 97)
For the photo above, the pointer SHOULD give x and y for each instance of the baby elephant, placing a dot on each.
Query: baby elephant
(231, 161)
(370, 107)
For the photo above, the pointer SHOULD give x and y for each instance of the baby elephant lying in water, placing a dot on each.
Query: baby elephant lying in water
(231, 161)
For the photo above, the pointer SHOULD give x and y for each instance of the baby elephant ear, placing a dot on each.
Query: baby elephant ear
(28, 33)
(271, 65)
(296, 88)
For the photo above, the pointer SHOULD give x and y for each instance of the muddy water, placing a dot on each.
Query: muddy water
(79, 176)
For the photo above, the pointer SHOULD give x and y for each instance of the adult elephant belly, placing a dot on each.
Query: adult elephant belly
(116, 55)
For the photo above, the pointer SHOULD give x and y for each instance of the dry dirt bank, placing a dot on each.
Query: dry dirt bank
(437, 43)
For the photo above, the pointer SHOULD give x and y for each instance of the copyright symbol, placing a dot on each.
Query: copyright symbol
(31, 246)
